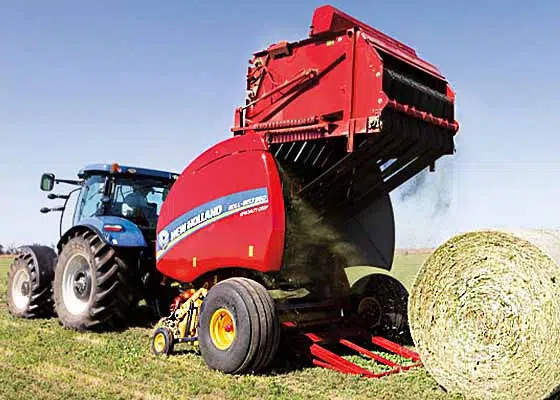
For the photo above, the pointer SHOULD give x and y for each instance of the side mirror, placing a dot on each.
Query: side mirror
(46, 210)
(53, 196)
(47, 182)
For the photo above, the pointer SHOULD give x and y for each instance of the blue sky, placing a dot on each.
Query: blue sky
(155, 83)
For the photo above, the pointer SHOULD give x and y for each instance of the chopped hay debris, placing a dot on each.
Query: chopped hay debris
(316, 252)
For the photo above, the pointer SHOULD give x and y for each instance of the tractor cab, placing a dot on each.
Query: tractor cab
(113, 190)
(135, 194)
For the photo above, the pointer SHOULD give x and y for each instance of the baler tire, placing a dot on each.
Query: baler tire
(273, 325)
(390, 298)
(105, 277)
(168, 341)
(255, 324)
(35, 264)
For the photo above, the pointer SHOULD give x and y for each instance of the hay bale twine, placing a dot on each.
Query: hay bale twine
(484, 313)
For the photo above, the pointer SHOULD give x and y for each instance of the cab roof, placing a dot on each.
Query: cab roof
(125, 170)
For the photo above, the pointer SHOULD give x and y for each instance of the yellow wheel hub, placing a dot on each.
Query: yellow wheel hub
(159, 342)
(222, 328)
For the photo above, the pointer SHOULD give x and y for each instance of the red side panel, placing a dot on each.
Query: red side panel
(225, 210)
(338, 82)
(226, 148)
(350, 77)
(327, 19)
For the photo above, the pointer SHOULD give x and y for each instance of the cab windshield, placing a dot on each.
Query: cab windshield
(139, 200)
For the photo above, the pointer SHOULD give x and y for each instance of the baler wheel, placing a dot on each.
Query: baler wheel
(222, 328)
(162, 341)
(29, 293)
(239, 327)
(380, 303)
(91, 286)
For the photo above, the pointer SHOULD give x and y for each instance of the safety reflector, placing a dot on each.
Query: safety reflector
(113, 228)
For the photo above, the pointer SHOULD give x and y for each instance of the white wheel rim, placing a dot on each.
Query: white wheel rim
(21, 289)
(76, 285)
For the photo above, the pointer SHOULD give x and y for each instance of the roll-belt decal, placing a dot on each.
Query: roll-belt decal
(206, 214)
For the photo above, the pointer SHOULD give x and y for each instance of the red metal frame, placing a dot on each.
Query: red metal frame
(333, 78)
(315, 346)
(424, 116)
(327, 20)
(316, 82)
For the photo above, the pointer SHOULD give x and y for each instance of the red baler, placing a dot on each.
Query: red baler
(331, 125)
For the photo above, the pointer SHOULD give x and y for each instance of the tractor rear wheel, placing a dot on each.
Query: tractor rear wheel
(239, 328)
(91, 288)
(29, 293)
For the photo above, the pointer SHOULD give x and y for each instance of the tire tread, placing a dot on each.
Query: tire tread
(39, 263)
(112, 293)
(264, 329)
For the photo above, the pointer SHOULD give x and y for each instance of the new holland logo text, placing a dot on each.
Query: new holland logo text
(200, 218)
(207, 214)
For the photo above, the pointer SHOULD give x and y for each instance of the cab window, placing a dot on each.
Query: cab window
(89, 203)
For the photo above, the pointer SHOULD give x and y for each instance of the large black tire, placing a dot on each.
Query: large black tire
(29, 293)
(91, 285)
(256, 327)
(380, 303)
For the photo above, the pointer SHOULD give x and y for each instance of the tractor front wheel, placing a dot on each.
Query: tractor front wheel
(239, 327)
(91, 289)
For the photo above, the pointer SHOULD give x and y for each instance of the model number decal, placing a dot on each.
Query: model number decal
(249, 202)
(253, 210)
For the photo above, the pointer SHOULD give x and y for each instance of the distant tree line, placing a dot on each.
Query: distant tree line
(7, 250)
(12, 249)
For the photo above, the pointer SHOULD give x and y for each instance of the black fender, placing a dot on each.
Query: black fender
(75, 230)
(130, 237)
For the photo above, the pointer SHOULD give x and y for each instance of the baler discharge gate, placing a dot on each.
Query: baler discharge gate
(350, 112)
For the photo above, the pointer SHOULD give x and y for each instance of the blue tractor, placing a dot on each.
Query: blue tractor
(104, 264)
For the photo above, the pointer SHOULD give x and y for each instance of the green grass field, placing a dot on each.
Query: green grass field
(39, 359)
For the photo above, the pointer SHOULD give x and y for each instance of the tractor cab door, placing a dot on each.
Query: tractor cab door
(90, 201)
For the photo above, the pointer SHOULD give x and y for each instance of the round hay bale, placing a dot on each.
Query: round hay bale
(484, 313)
